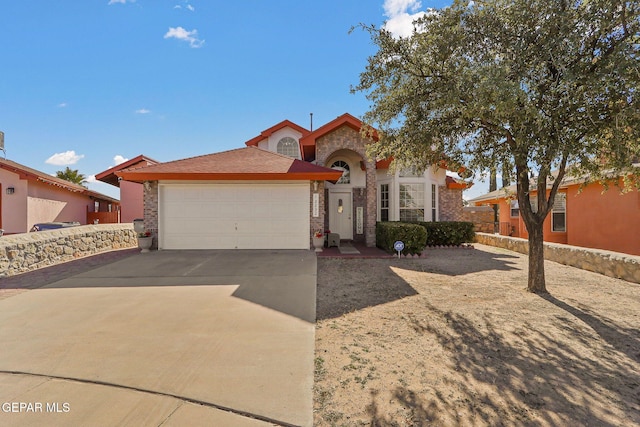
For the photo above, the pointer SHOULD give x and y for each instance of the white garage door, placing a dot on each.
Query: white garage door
(234, 216)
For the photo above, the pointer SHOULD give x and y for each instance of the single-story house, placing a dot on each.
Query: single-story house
(586, 217)
(131, 193)
(285, 184)
(28, 197)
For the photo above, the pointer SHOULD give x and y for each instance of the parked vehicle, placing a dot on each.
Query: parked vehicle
(53, 225)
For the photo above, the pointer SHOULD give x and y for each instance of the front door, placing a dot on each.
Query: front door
(340, 214)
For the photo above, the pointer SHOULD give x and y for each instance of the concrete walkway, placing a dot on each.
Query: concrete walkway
(165, 338)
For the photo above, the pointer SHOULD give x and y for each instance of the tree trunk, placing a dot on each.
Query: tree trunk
(536, 280)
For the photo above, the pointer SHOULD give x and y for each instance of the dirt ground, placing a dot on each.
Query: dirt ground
(455, 339)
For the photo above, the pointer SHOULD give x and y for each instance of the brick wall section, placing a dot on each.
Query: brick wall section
(612, 264)
(450, 204)
(151, 211)
(20, 253)
(348, 138)
(480, 216)
(316, 223)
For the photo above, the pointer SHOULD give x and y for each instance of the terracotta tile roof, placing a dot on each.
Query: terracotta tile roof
(457, 183)
(28, 173)
(249, 163)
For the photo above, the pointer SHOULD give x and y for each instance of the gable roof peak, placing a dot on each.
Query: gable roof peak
(265, 134)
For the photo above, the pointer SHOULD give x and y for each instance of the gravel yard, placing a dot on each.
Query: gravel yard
(455, 339)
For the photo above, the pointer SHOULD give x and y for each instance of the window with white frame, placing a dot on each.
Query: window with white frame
(384, 202)
(411, 202)
(515, 209)
(288, 146)
(343, 166)
(559, 213)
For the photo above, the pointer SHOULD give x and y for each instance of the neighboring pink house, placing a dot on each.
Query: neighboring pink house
(28, 196)
(130, 192)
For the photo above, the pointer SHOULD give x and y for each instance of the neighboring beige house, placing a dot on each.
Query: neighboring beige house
(131, 199)
(287, 183)
(28, 196)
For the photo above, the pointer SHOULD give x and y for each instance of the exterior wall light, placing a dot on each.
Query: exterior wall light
(11, 190)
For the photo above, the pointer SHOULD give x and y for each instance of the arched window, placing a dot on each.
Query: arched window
(340, 165)
(288, 146)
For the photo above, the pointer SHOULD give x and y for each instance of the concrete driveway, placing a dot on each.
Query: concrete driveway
(164, 338)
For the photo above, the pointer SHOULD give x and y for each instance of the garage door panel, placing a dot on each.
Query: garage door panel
(230, 216)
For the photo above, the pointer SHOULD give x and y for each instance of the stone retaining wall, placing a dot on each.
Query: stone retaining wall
(612, 264)
(20, 253)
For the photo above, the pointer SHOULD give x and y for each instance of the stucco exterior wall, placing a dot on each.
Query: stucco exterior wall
(44, 210)
(73, 205)
(609, 220)
(131, 201)
(613, 264)
(14, 206)
(20, 253)
(34, 202)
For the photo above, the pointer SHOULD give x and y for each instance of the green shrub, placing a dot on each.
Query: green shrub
(449, 233)
(413, 236)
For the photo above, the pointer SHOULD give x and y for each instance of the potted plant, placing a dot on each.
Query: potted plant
(318, 240)
(145, 239)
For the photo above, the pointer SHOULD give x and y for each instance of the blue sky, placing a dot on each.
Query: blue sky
(88, 84)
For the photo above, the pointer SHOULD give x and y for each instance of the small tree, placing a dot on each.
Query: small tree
(542, 86)
(72, 175)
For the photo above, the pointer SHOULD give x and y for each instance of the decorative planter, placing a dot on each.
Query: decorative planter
(318, 243)
(145, 243)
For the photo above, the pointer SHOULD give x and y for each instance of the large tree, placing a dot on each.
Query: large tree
(544, 86)
(72, 175)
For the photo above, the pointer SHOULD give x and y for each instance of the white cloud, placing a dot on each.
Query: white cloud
(64, 159)
(401, 14)
(91, 179)
(62, 105)
(143, 111)
(397, 7)
(188, 6)
(120, 1)
(118, 159)
(181, 34)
